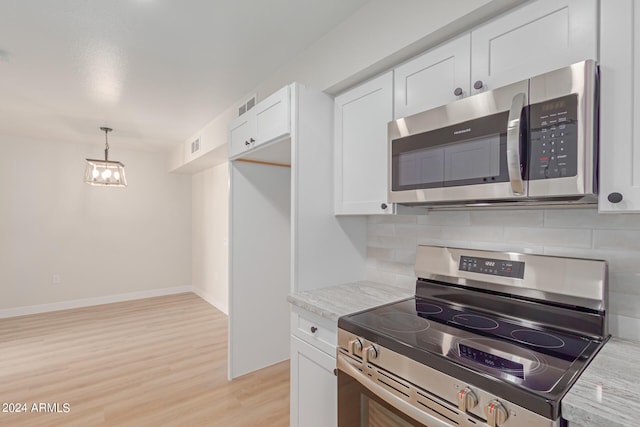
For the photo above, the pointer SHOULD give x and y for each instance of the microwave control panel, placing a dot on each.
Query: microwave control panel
(554, 138)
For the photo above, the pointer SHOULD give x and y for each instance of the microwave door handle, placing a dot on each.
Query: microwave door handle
(513, 144)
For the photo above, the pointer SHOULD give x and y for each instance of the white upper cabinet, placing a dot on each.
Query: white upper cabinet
(268, 121)
(360, 122)
(620, 106)
(437, 77)
(242, 134)
(538, 37)
(273, 116)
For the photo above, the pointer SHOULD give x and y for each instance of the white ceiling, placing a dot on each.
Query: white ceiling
(154, 70)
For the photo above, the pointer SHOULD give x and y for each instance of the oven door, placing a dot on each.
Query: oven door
(468, 151)
(364, 402)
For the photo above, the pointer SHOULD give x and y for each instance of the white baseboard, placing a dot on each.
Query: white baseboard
(624, 327)
(223, 306)
(87, 302)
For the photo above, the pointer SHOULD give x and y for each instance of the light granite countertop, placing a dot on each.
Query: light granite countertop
(608, 391)
(335, 301)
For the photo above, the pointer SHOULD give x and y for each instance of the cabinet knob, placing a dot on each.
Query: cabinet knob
(313, 329)
(384, 206)
(478, 85)
(252, 140)
(457, 91)
(247, 143)
(335, 372)
(614, 197)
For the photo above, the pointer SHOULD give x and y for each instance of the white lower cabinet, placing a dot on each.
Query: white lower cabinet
(314, 387)
(314, 393)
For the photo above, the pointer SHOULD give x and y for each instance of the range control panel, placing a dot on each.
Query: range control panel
(554, 138)
(494, 267)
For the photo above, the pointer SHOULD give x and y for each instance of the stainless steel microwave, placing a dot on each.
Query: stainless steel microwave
(531, 142)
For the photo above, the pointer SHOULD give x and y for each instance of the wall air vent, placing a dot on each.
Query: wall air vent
(195, 146)
(247, 105)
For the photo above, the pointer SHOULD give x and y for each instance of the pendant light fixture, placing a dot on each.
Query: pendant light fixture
(105, 173)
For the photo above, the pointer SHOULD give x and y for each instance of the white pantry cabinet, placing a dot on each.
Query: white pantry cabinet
(619, 106)
(437, 77)
(283, 234)
(314, 387)
(537, 37)
(268, 121)
(360, 148)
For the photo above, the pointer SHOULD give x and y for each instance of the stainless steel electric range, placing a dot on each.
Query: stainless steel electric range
(490, 339)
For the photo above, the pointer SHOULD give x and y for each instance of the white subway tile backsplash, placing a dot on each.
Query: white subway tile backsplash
(567, 237)
(589, 218)
(381, 230)
(582, 233)
(514, 218)
(418, 231)
(445, 218)
(474, 234)
(392, 242)
(617, 239)
(380, 253)
(396, 267)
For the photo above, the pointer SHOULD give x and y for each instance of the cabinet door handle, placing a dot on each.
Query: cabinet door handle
(478, 85)
(457, 91)
(314, 329)
(615, 197)
(383, 206)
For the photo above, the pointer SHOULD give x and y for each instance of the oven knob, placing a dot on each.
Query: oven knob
(370, 352)
(496, 414)
(355, 346)
(467, 399)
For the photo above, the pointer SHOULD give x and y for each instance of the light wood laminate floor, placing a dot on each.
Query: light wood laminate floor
(153, 362)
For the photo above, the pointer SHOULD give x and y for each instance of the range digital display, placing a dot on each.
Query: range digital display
(492, 361)
(495, 267)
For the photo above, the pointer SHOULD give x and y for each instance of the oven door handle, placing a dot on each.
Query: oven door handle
(513, 144)
(398, 403)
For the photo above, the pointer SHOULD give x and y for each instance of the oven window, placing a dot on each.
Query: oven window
(376, 415)
(359, 407)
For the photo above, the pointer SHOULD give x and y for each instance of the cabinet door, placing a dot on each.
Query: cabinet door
(241, 134)
(620, 106)
(435, 78)
(273, 116)
(535, 38)
(314, 389)
(360, 168)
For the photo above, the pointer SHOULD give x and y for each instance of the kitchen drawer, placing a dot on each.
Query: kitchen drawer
(315, 330)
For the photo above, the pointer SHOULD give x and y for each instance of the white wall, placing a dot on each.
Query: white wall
(210, 230)
(103, 242)
(579, 233)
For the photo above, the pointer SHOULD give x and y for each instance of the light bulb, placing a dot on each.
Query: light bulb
(106, 174)
(95, 172)
(116, 176)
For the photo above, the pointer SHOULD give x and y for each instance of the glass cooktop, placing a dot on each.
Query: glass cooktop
(516, 351)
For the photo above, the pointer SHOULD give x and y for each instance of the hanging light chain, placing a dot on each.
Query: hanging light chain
(106, 142)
